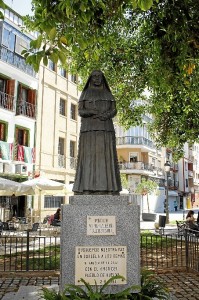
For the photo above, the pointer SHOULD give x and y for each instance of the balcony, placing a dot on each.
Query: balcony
(141, 167)
(135, 140)
(190, 173)
(7, 101)
(73, 163)
(24, 153)
(16, 60)
(26, 109)
(173, 184)
(61, 161)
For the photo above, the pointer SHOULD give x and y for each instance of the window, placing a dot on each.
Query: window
(63, 72)
(61, 146)
(2, 85)
(73, 114)
(74, 78)
(8, 39)
(72, 149)
(72, 155)
(61, 157)
(21, 140)
(53, 202)
(186, 183)
(26, 104)
(21, 45)
(3, 130)
(21, 136)
(62, 107)
(24, 94)
(133, 156)
(51, 65)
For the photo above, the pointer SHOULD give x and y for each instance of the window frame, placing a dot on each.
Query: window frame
(62, 107)
(53, 201)
(73, 112)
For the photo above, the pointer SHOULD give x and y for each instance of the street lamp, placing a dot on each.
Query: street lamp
(167, 167)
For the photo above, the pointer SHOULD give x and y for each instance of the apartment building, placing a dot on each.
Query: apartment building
(188, 177)
(18, 106)
(138, 158)
(56, 132)
(194, 152)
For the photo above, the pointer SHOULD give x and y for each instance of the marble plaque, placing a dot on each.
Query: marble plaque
(101, 225)
(99, 264)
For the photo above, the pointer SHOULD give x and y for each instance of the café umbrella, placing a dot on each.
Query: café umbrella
(10, 187)
(42, 186)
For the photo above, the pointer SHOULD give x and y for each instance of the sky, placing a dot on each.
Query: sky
(22, 7)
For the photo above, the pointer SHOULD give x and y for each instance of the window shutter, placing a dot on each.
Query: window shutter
(25, 138)
(16, 143)
(10, 87)
(2, 132)
(32, 96)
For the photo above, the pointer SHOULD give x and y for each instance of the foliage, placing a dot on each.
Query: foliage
(146, 187)
(2, 6)
(151, 240)
(150, 287)
(139, 45)
(124, 181)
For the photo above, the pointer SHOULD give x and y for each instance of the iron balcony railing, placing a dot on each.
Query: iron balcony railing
(26, 109)
(134, 140)
(61, 161)
(7, 101)
(73, 162)
(173, 183)
(16, 60)
(139, 165)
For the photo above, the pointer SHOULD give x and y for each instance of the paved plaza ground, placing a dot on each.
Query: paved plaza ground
(183, 285)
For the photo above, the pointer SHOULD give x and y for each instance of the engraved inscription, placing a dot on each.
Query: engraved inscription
(99, 264)
(101, 225)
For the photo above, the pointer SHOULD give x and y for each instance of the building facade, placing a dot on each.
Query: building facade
(56, 133)
(18, 106)
(138, 158)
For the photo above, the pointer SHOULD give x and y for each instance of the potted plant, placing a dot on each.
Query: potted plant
(146, 187)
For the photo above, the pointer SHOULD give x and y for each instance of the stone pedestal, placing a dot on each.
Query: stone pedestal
(100, 238)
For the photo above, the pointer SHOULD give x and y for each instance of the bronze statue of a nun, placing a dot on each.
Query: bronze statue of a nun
(97, 166)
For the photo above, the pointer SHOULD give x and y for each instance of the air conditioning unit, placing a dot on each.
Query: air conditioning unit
(1, 167)
(20, 169)
(8, 168)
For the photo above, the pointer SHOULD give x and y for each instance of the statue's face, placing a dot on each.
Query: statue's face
(96, 78)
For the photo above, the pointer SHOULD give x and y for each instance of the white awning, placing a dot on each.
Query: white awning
(172, 194)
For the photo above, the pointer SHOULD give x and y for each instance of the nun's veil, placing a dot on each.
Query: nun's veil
(89, 93)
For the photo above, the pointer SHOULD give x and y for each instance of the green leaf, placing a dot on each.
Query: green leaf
(54, 57)
(45, 60)
(134, 4)
(2, 4)
(52, 34)
(145, 4)
(82, 43)
(39, 41)
(33, 44)
(63, 40)
(62, 57)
